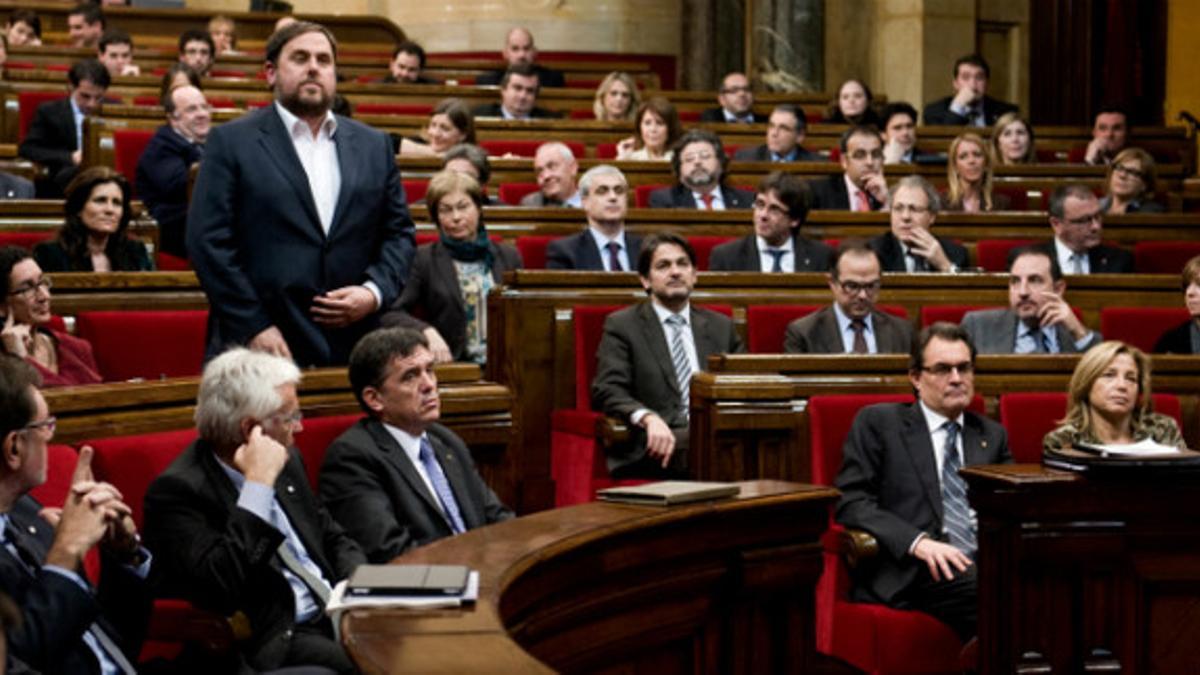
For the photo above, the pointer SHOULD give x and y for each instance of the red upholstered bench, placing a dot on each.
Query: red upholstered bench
(128, 146)
(314, 440)
(513, 193)
(1029, 416)
(1163, 257)
(414, 190)
(703, 245)
(146, 344)
(641, 194)
(1140, 326)
(533, 250)
(26, 240)
(992, 254)
(27, 105)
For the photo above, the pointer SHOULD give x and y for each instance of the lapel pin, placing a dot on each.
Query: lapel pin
(32, 529)
(983, 444)
(291, 488)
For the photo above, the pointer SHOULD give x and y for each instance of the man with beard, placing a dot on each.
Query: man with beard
(851, 325)
(698, 161)
(298, 228)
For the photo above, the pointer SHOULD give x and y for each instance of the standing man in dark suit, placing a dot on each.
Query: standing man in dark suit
(66, 626)
(55, 137)
(736, 97)
(851, 325)
(647, 356)
(861, 186)
(236, 527)
(604, 245)
(970, 105)
(519, 90)
(899, 481)
(298, 228)
(699, 162)
(780, 208)
(519, 50)
(1078, 223)
(910, 246)
(786, 129)
(397, 479)
(1038, 319)
(165, 164)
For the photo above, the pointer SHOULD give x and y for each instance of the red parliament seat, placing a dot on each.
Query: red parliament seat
(314, 440)
(1029, 416)
(766, 325)
(641, 194)
(414, 190)
(992, 254)
(1140, 326)
(128, 146)
(513, 193)
(25, 240)
(147, 344)
(872, 637)
(60, 466)
(703, 246)
(27, 105)
(931, 314)
(1163, 257)
(500, 148)
(533, 250)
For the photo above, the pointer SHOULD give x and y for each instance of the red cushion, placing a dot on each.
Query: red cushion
(128, 146)
(165, 262)
(703, 245)
(1163, 257)
(577, 463)
(582, 115)
(588, 322)
(60, 465)
(606, 151)
(641, 194)
(992, 254)
(1140, 326)
(931, 314)
(26, 240)
(146, 344)
(1029, 416)
(829, 420)
(393, 108)
(314, 440)
(27, 105)
(513, 193)
(1018, 197)
(414, 190)
(766, 325)
(533, 250)
(131, 462)
(499, 148)
(689, 115)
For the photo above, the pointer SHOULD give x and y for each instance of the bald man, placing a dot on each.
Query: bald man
(519, 49)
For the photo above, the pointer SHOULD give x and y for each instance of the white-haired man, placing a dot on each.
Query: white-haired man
(555, 167)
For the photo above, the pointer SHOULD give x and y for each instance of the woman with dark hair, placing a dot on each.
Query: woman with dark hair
(178, 75)
(854, 105)
(24, 29)
(93, 237)
(452, 276)
(656, 128)
(450, 123)
(1185, 338)
(62, 359)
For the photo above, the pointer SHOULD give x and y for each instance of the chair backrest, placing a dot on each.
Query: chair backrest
(393, 108)
(499, 148)
(26, 240)
(766, 325)
(641, 194)
(60, 465)
(128, 146)
(147, 344)
(829, 420)
(414, 190)
(606, 151)
(703, 245)
(992, 254)
(931, 314)
(512, 193)
(1163, 257)
(314, 440)
(27, 105)
(1140, 326)
(131, 463)
(533, 250)
(1018, 197)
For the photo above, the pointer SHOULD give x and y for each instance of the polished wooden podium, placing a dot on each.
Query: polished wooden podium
(1096, 573)
(713, 587)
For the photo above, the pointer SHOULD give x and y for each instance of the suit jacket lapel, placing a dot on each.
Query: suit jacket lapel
(920, 450)
(348, 164)
(443, 274)
(706, 345)
(656, 340)
(884, 335)
(828, 332)
(395, 454)
(589, 253)
(277, 143)
(974, 450)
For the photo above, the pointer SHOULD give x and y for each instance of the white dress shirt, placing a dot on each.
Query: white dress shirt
(718, 200)
(766, 261)
(1066, 259)
(602, 242)
(847, 332)
(318, 156)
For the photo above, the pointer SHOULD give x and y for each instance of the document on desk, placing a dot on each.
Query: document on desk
(340, 599)
(1144, 448)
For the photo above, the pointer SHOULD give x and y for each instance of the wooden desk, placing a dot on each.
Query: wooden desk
(719, 587)
(1095, 574)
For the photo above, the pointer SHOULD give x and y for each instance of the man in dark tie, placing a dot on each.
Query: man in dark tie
(604, 245)
(900, 482)
(861, 185)
(236, 526)
(851, 325)
(646, 358)
(55, 137)
(736, 97)
(970, 105)
(1078, 223)
(397, 479)
(909, 246)
(786, 130)
(66, 625)
(699, 163)
(166, 163)
(780, 208)
(1038, 319)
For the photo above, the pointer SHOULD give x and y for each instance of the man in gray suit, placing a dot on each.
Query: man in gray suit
(397, 479)
(647, 356)
(555, 167)
(851, 325)
(1038, 320)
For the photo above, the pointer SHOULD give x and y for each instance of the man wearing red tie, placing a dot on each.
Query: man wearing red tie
(861, 187)
(699, 163)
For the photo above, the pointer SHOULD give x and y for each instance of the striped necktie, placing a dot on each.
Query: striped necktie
(955, 510)
(679, 358)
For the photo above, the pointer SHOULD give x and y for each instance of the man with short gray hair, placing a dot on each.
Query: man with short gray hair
(604, 245)
(555, 167)
(1078, 224)
(236, 526)
(909, 246)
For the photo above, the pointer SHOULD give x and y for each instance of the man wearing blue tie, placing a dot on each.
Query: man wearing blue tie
(397, 479)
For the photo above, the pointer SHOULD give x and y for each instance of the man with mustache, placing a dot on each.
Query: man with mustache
(861, 187)
(298, 227)
(699, 161)
(1038, 320)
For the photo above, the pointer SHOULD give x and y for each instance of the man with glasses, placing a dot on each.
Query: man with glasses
(737, 102)
(1077, 219)
(163, 169)
(861, 186)
(786, 130)
(851, 325)
(699, 162)
(237, 528)
(780, 208)
(900, 482)
(66, 625)
(1038, 319)
(909, 246)
(604, 245)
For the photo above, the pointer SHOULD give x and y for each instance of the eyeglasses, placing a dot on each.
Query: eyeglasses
(697, 157)
(1085, 220)
(290, 420)
(48, 425)
(854, 288)
(31, 289)
(910, 208)
(744, 89)
(860, 155)
(774, 209)
(1129, 172)
(944, 369)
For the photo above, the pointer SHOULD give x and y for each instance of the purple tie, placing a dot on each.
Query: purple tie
(614, 262)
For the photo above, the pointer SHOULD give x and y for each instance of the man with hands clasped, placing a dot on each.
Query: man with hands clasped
(1038, 320)
(910, 246)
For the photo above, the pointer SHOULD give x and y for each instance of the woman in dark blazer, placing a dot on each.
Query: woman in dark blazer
(452, 276)
(94, 236)
(1185, 338)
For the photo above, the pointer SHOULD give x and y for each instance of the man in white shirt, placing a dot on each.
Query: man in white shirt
(861, 186)
(699, 163)
(519, 90)
(780, 207)
(555, 167)
(604, 245)
(1078, 223)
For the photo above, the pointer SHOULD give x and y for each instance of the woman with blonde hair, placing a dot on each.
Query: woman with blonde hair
(969, 177)
(1130, 183)
(1108, 402)
(1012, 140)
(617, 98)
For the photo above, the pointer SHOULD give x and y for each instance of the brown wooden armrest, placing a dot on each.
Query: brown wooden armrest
(858, 547)
(611, 431)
